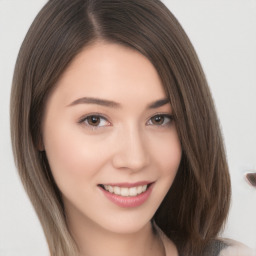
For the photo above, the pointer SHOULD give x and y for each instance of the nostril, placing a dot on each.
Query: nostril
(251, 178)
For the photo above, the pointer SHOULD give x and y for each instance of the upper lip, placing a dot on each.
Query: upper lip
(128, 185)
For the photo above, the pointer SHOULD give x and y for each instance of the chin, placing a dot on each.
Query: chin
(129, 227)
(127, 222)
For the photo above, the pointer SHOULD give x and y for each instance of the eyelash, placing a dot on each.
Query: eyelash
(166, 123)
(165, 116)
(84, 121)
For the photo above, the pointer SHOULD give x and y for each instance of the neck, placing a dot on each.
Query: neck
(94, 240)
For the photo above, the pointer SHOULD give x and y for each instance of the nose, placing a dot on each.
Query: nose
(131, 151)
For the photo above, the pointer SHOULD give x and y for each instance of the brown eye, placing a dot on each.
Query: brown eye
(93, 120)
(160, 120)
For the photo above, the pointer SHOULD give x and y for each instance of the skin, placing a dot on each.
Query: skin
(129, 142)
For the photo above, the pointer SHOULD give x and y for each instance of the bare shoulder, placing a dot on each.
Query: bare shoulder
(235, 248)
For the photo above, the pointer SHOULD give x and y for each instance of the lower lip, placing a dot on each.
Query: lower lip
(128, 201)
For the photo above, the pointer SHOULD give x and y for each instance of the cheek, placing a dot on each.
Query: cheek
(167, 153)
(72, 156)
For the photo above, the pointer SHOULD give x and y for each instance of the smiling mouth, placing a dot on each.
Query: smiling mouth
(125, 191)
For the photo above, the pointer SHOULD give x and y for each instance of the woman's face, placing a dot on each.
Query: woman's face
(108, 134)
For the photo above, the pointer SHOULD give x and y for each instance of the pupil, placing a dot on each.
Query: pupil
(94, 120)
(158, 119)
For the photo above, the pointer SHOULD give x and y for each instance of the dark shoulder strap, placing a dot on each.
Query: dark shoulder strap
(214, 248)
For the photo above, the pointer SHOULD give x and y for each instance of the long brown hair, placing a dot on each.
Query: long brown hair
(197, 204)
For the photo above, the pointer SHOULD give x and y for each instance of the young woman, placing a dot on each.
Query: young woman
(114, 132)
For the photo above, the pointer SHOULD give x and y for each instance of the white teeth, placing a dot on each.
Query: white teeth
(139, 189)
(117, 190)
(124, 191)
(133, 191)
(110, 189)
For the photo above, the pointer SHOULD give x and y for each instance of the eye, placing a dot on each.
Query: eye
(160, 120)
(95, 121)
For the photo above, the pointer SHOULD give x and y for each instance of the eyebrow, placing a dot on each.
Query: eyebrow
(86, 100)
(158, 103)
(112, 104)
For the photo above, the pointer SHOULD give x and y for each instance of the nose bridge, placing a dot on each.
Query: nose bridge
(131, 152)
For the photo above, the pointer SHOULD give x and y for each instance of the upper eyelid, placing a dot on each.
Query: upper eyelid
(81, 119)
(168, 115)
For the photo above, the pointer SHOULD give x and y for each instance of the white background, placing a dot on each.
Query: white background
(224, 35)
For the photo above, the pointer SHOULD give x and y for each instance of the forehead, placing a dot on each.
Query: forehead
(110, 71)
